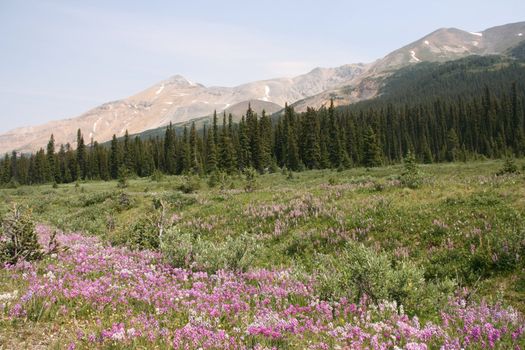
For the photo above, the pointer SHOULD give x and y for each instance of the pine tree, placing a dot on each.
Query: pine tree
(6, 169)
(266, 147)
(170, 153)
(227, 154)
(51, 159)
(291, 149)
(312, 149)
(195, 161)
(336, 150)
(372, 150)
(114, 158)
(81, 156)
(128, 156)
(211, 152)
(453, 147)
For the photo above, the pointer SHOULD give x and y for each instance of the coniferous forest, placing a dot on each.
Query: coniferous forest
(491, 125)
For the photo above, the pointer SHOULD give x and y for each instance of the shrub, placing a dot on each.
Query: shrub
(123, 174)
(157, 176)
(187, 250)
(18, 239)
(359, 271)
(143, 234)
(95, 198)
(189, 184)
(124, 201)
(218, 178)
(178, 200)
(411, 176)
(250, 175)
(509, 166)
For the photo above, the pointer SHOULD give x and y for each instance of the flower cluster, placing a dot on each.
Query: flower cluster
(124, 298)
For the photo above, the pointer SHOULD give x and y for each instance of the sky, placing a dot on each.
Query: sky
(59, 59)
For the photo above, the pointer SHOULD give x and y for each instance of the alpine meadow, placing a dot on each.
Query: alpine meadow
(366, 206)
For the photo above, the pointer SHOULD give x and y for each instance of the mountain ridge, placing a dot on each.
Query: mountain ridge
(178, 99)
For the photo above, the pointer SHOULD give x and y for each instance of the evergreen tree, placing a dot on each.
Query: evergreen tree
(195, 161)
(453, 147)
(51, 160)
(372, 150)
(312, 149)
(81, 156)
(114, 158)
(6, 169)
(211, 152)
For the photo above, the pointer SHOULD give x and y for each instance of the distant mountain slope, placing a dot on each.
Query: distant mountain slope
(237, 111)
(178, 99)
(464, 78)
(442, 45)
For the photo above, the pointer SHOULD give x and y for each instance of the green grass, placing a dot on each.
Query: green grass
(458, 225)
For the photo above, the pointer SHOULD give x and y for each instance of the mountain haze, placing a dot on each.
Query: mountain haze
(178, 99)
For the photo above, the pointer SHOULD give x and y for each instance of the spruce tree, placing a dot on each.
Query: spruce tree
(114, 158)
(211, 152)
(371, 150)
(195, 161)
(452, 145)
(312, 147)
(81, 156)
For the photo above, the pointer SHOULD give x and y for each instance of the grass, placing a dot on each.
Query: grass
(462, 224)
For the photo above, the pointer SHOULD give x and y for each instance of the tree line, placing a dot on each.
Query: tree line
(439, 130)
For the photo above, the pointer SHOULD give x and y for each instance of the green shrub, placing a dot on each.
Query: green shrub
(250, 176)
(509, 166)
(157, 176)
(123, 175)
(187, 250)
(189, 184)
(218, 178)
(177, 200)
(359, 271)
(18, 239)
(411, 176)
(95, 198)
(142, 234)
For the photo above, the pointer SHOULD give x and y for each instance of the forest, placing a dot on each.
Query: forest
(491, 125)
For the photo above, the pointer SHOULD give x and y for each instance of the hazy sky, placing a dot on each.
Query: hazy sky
(61, 58)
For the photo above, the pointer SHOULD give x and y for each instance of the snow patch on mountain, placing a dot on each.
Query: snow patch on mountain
(160, 89)
(477, 34)
(266, 96)
(427, 42)
(414, 57)
(95, 124)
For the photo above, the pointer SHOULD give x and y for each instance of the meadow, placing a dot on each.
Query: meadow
(322, 259)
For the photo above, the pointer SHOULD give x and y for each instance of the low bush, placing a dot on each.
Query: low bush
(18, 239)
(358, 271)
(186, 250)
(189, 184)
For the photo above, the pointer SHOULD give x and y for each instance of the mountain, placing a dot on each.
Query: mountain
(176, 99)
(179, 100)
(442, 45)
